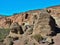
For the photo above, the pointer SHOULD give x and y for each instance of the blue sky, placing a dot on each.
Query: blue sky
(8, 7)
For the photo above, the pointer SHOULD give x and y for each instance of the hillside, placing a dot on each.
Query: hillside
(35, 27)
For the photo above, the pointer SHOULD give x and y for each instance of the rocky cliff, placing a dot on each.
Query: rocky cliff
(35, 27)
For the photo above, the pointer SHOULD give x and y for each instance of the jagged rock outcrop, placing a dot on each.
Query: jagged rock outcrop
(44, 25)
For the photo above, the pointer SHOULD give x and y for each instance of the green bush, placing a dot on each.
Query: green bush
(34, 43)
(4, 33)
(37, 37)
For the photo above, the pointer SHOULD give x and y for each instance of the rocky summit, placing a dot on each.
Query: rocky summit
(35, 27)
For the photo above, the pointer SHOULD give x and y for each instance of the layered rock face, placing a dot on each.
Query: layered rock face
(36, 27)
